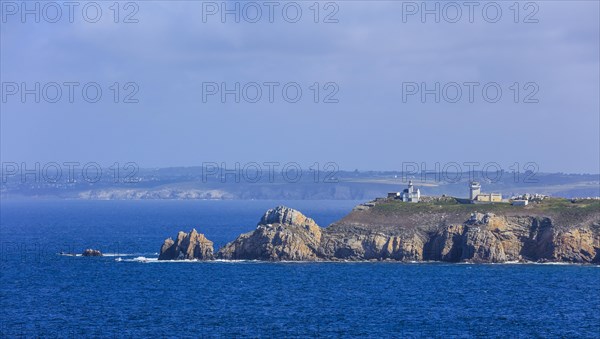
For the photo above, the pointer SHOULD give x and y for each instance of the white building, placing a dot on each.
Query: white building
(474, 190)
(477, 197)
(410, 194)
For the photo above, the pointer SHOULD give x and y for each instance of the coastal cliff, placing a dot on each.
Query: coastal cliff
(557, 230)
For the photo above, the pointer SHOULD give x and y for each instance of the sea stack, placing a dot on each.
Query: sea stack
(187, 246)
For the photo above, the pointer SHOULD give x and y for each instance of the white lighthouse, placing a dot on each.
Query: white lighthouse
(410, 194)
(474, 190)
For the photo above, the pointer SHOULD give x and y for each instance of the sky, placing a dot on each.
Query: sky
(371, 61)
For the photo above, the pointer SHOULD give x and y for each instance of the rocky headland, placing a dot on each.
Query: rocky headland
(441, 229)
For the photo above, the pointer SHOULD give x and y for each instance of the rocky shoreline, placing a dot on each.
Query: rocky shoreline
(557, 231)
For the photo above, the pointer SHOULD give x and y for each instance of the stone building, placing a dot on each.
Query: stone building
(476, 196)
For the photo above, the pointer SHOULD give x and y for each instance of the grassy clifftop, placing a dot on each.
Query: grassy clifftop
(449, 204)
(396, 215)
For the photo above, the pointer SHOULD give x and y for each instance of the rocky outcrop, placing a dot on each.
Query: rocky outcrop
(501, 239)
(91, 253)
(187, 246)
(372, 246)
(412, 232)
(281, 234)
(578, 245)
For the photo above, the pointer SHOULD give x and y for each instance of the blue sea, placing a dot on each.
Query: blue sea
(129, 294)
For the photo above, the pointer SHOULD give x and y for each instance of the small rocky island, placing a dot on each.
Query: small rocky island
(91, 253)
(435, 229)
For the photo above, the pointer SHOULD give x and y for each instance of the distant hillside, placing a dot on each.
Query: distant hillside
(191, 183)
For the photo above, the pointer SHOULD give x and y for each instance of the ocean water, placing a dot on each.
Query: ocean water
(129, 294)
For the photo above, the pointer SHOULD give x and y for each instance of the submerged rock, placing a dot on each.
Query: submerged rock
(91, 253)
(187, 246)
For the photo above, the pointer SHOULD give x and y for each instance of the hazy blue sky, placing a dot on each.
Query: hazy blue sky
(369, 53)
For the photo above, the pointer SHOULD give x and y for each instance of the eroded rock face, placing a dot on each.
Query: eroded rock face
(501, 239)
(371, 246)
(187, 246)
(577, 245)
(282, 234)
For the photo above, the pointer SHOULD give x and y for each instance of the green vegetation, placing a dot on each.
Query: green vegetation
(564, 207)
(444, 206)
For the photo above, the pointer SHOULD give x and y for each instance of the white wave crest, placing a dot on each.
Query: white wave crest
(127, 254)
(141, 259)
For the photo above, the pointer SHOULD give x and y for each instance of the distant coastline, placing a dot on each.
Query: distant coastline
(186, 184)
